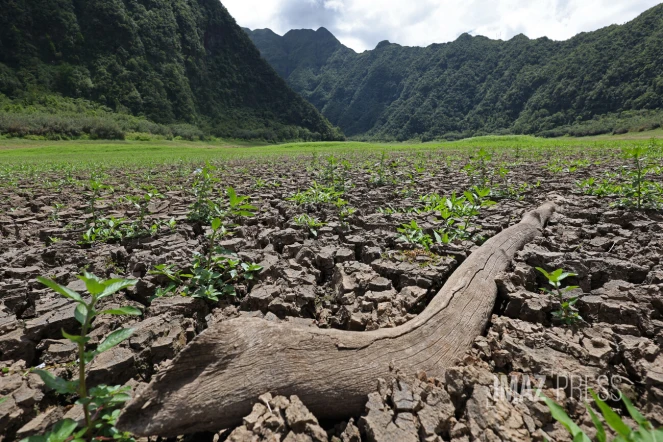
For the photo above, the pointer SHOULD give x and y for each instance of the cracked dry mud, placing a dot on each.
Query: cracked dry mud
(351, 277)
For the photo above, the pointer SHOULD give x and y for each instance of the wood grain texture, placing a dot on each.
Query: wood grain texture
(216, 379)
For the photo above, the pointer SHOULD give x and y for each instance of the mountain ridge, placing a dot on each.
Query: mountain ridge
(475, 85)
(169, 61)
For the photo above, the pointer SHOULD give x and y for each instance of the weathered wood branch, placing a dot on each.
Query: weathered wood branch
(216, 379)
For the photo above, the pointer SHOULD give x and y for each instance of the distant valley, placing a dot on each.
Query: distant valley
(602, 81)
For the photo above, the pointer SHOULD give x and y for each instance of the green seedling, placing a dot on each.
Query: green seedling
(96, 190)
(316, 194)
(346, 213)
(644, 432)
(176, 277)
(477, 169)
(218, 230)
(313, 224)
(382, 174)
(203, 185)
(567, 313)
(411, 233)
(336, 173)
(506, 188)
(168, 270)
(142, 202)
(57, 208)
(457, 213)
(555, 166)
(213, 274)
(100, 404)
(210, 281)
(637, 174)
(259, 183)
(631, 186)
(237, 205)
(638, 191)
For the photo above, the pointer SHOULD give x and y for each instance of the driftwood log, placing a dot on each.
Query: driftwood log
(218, 377)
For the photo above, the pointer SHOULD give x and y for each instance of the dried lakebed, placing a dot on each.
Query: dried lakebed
(355, 273)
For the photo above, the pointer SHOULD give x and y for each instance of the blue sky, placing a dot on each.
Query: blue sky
(361, 24)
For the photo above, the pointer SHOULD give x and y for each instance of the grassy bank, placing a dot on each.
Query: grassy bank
(21, 151)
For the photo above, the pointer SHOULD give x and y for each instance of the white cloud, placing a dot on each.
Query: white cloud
(361, 24)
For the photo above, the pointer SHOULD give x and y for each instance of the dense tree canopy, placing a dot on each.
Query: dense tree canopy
(476, 85)
(170, 61)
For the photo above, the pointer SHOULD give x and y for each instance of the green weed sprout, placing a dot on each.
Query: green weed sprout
(316, 194)
(412, 233)
(202, 208)
(142, 202)
(238, 205)
(217, 272)
(96, 190)
(645, 432)
(345, 213)
(638, 191)
(567, 313)
(213, 274)
(313, 224)
(100, 404)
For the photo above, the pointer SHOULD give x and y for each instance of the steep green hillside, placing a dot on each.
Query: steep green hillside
(475, 85)
(169, 61)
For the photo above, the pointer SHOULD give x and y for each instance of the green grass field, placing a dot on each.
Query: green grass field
(20, 151)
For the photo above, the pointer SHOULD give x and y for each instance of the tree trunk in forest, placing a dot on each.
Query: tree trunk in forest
(214, 382)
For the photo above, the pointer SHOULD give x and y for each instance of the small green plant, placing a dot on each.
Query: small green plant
(631, 186)
(95, 190)
(554, 166)
(316, 194)
(237, 206)
(382, 175)
(638, 191)
(218, 278)
(336, 173)
(116, 229)
(477, 169)
(218, 230)
(57, 208)
(345, 213)
(645, 432)
(607, 186)
(567, 313)
(411, 233)
(213, 274)
(168, 270)
(505, 188)
(637, 174)
(203, 185)
(476, 199)
(142, 202)
(175, 276)
(457, 213)
(105, 230)
(101, 403)
(313, 224)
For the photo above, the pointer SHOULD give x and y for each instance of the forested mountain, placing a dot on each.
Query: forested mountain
(169, 61)
(476, 85)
